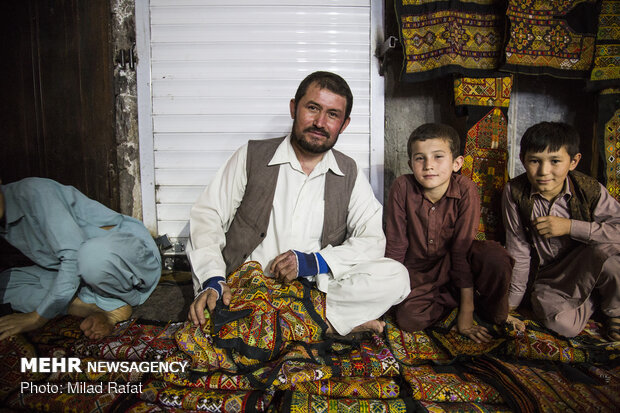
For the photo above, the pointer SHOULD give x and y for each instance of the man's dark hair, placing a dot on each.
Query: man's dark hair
(550, 136)
(329, 81)
(436, 131)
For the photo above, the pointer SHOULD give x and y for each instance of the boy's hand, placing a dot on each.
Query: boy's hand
(465, 325)
(551, 226)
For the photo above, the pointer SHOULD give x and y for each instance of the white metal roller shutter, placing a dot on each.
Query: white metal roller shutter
(222, 71)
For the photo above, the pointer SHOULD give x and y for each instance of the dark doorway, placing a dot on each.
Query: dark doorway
(58, 95)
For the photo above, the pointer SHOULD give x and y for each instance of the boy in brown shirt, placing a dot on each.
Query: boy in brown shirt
(432, 218)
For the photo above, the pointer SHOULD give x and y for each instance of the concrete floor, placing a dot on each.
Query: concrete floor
(170, 300)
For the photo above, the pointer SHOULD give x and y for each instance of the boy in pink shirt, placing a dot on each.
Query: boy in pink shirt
(572, 224)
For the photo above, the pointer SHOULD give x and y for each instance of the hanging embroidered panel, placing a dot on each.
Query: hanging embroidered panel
(556, 38)
(486, 163)
(608, 131)
(440, 37)
(484, 91)
(606, 70)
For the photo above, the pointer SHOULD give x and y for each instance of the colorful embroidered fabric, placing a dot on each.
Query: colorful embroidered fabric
(608, 139)
(438, 407)
(484, 91)
(486, 163)
(132, 340)
(264, 315)
(428, 384)
(11, 352)
(298, 402)
(606, 70)
(412, 348)
(441, 37)
(354, 387)
(556, 38)
(62, 401)
(204, 399)
(529, 387)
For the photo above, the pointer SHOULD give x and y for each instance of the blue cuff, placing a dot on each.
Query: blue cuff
(213, 283)
(309, 265)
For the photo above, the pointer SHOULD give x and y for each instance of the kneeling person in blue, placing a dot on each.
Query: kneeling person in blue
(91, 261)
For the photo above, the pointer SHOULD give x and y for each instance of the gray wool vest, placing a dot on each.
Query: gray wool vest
(249, 226)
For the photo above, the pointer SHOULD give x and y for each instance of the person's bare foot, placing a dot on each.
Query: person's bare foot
(373, 326)
(517, 324)
(98, 323)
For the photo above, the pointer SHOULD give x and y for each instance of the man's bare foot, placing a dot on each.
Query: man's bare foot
(373, 326)
(98, 323)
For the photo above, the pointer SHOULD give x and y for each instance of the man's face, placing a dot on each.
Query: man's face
(547, 170)
(318, 120)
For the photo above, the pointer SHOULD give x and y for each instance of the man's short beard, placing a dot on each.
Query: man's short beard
(308, 146)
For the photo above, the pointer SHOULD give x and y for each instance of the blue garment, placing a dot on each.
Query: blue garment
(59, 229)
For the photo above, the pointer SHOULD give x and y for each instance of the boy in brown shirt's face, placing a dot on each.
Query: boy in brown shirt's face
(433, 216)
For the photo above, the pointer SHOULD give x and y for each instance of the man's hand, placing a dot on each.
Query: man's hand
(551, 226)
(20, 323)
(465, 325)
(284, 267)
(207, 299)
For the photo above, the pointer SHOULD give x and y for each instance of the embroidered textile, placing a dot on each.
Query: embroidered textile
(132, 340)
(532, 387)
(486, 163)
(298, 402)
(11, 352)
(430, 385)
(449, 37)
(412, 348)
(612, 155)
(484, 91)
(606, 70)
(264, 315)
(64, 401)
(204, 399)
(358, 387)
(551, 37)
(437, 407)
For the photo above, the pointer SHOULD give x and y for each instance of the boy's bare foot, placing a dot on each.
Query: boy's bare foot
(517, 324)
(613, 328)
(98, 323)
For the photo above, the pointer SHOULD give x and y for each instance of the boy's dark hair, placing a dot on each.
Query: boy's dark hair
(550, 136)
(436, 131)
(329, 81)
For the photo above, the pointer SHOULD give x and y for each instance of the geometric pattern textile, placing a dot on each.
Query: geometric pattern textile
(363, 388)
(132, 340)
(298, 402)
(486, 163)
(484, 91)
(441, 37)
(555, 38)
(606, 70)
(529, 387)
(431, 385)
(412, 348)
(612, 155)
(264, 314)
